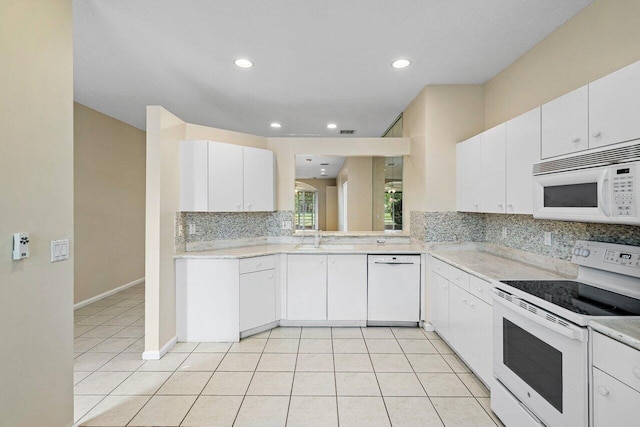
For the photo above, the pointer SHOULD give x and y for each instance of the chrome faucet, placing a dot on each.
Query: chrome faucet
(316, 241)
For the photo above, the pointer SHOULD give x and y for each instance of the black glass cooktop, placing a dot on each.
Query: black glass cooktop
(579, 297)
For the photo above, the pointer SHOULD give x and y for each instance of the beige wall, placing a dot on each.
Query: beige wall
(228, 136)
(438, 118)
(332, 208)
(36, 196)
(164, 132)
(321, 185)
(602, 38)
(287, 148)
(109, 199)
(356, 171)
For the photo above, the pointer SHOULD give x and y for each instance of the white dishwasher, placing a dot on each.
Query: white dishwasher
(393, 289)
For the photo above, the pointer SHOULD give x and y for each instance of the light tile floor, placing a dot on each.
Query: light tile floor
(284, 377)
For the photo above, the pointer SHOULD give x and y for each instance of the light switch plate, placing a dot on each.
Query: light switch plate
(59, 250)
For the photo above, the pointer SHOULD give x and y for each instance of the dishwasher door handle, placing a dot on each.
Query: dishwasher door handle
(394, 263)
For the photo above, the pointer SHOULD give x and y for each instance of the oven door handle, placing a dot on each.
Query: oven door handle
(569, 331)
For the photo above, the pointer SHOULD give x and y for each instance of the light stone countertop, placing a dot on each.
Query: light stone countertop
(478, 260)
(626, 329)
(271, 249)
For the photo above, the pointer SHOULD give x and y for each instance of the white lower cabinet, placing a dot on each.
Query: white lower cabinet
(257, 299)
(461, 314)
(307, 287)
(616, 382)
(440, 304)
(326, 287)
(347, 287)
(614, 403)
(218, 299)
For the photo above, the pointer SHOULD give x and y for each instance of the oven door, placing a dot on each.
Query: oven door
(541, 362)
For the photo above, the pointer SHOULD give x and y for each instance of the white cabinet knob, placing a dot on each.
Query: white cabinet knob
(259, 264)
(444, 286)
(472, 304)
(271, 276)
(249, 206)
(321, 261)
(575, 139)
(510, 206)
(239, 206)
(480, 290)
(636, 372)
(596, 134)
(333, 261)
(464, 300)
(603, 391)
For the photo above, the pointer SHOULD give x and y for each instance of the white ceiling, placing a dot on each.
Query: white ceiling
(315, 61)
(308, 167)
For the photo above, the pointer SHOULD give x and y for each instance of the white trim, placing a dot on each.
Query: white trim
(107, 294)
(324, 323)
(428, 327)
(156, 355)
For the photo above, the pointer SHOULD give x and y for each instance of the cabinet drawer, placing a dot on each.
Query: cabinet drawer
(481, 289)
(249, 265)
(439, 267)
(617, 359)
(458, 277)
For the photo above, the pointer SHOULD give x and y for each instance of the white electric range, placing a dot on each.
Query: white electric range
(540, 339)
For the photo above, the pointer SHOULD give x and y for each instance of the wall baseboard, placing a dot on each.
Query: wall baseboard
(107, 294)
(156, 355)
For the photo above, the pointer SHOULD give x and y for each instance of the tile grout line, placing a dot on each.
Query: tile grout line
(293, 380)
(375, 374)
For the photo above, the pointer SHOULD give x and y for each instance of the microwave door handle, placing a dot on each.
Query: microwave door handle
(604, 193)
(572, 332)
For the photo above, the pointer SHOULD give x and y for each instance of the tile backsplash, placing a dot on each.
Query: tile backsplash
(212, 228)
(523, 231)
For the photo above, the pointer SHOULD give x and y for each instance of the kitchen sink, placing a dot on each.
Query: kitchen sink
(312, 248)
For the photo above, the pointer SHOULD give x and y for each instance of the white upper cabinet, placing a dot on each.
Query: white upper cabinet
(225, 177)
(523, 150)
(467, 175)
(614, 107)
(259, 180)
(219, 177)
(492, 170)
(193, 176)
(565, 124)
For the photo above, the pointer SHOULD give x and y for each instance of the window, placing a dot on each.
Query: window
(306, 210)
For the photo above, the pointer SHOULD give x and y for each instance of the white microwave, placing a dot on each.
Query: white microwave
(607, 194)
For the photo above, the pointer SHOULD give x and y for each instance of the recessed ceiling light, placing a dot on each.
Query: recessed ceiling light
(401, 63)
(243, 63)
(332, 126)
(276, 125)
(322, 170)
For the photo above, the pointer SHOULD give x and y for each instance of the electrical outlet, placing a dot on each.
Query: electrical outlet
(504, 232)
(286, 224)
(192, 229)
(547, 238)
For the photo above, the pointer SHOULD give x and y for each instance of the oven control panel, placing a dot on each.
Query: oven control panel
(623, 191)
(624, 259)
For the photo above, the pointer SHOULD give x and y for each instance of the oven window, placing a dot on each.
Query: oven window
(534, 361)
(571, 196)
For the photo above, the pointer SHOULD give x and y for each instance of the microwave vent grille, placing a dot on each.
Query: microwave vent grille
(589, 160)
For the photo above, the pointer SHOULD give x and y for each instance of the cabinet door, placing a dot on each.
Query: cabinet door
(259, 180)
(481, 357)
(307, 287)
(492, 170)
(225, 177)
(467, 175)
(614, 106)
(257, 299)
(194, 179)
(440, 305)
(460, 322)
(347, 287)
(614, 403)
(523, 150)
(565, 122)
